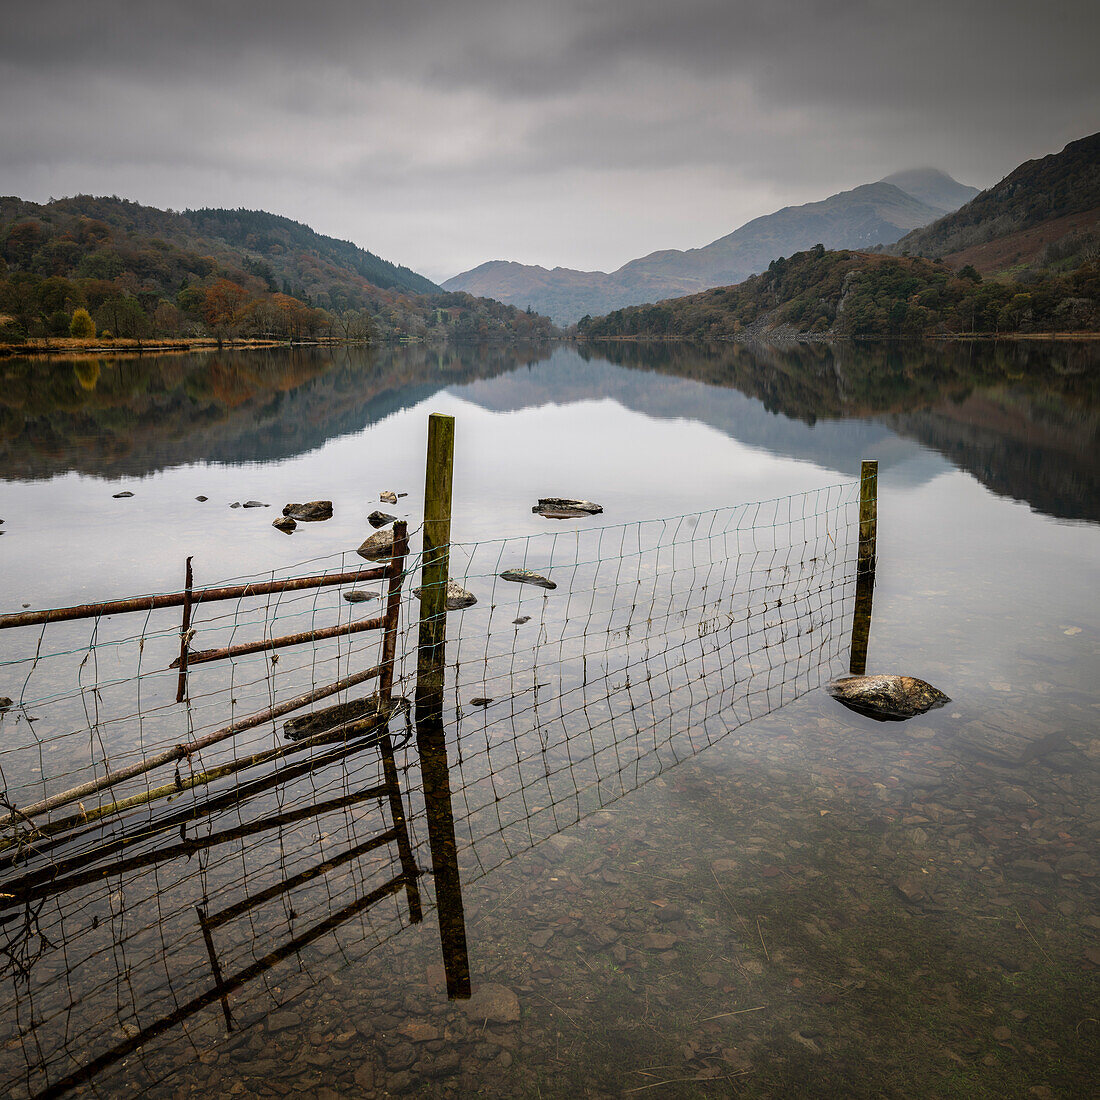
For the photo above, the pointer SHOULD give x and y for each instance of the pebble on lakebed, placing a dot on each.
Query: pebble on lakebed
(886, 698)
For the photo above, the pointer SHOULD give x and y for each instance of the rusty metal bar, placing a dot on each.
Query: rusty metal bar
(202, 595)
(214, 965)
(182, 751)
(393, 607)
(201, 656)
(181, 687)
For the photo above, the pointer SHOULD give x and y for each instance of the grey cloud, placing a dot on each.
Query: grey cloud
(524, 113)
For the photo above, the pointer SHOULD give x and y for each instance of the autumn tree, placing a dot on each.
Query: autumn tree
(82, 327)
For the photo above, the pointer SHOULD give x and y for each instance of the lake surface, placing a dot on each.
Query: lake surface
(682, 868)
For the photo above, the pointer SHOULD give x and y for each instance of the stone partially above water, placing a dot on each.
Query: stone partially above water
(285, 524)
(457, 596)
(886, 698)
(388, 497)
(361, 595)
(565, 508)
(380, 519)
(311, 511)
(525, 576)
(379, 547)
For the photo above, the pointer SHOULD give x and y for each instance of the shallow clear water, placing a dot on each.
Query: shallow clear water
(766, 902)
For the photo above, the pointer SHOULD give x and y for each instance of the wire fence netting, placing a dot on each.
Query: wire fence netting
(139, 920)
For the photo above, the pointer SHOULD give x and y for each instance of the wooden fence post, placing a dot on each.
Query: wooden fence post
(865, 566)
(431, 640)
(431, 739)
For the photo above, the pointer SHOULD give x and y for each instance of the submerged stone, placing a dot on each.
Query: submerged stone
(886, 698)
(525, 576)
(565, 508)
(311, 511)
(457, 596)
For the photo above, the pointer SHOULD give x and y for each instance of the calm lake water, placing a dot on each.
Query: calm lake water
(684, 872)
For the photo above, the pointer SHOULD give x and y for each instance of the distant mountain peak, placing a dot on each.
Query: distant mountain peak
(863, 217)
(932, 187)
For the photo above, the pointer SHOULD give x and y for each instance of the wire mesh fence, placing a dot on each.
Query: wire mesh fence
(141, 921)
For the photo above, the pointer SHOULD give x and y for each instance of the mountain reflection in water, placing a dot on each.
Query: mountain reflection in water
(1022, 418)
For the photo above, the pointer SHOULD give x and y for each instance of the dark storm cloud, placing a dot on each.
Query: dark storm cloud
(567, 131)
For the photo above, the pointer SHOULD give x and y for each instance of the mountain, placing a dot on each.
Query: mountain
(933, 187)
(846, 293)
(872, 214)
(1044, 213)
(141, 271)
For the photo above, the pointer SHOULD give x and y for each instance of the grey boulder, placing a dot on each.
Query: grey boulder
(457, 596)
(311, 511)
(886, 698)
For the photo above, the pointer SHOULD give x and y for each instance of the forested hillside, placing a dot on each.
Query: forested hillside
(862, 294)
(1040, 192)
(109, 267)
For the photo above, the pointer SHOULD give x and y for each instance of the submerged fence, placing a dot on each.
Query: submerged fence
(150, 905)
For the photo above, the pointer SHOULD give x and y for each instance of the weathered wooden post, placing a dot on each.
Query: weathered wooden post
(431, 640)
(865, 566)
(430, 737)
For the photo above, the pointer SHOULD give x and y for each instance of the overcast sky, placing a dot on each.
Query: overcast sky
(575, 132)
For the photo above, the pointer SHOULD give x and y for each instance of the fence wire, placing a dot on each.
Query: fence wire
(129, 943)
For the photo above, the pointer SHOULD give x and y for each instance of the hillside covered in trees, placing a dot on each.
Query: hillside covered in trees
(1043, 215)
(138, 272)
(848, 293)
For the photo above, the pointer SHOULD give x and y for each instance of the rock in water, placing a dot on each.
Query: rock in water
(457, 596)
(253, 504)
(565, 508)
(525, 576)
(886, 698)
(311, 511)
(380, 519)
(379, 547)
(360, 595)
(388, 497)
(284, 523)
(201, 499)
(123, 495)
(5, 702)
(521, 620)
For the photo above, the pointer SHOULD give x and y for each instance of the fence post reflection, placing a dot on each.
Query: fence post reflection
(435, 773)
(865, 567)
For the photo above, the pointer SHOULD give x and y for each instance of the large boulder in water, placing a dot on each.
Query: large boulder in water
(886, 698)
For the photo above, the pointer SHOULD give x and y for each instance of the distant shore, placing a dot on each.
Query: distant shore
(69, 348)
